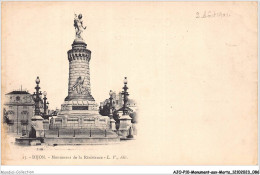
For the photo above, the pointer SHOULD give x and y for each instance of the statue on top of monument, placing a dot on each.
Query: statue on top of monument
(78, 24)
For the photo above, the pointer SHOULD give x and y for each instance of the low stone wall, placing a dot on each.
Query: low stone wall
(28, 141)
(76, 141)
(80, 133)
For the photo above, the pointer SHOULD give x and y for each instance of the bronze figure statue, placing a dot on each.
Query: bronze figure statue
(78, 24)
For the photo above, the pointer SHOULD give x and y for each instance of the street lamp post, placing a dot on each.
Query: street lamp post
(112, 121)
(125, 119)
(125, 94)
(44, 102)
(47, 107)
(110, 105)
(37, 97)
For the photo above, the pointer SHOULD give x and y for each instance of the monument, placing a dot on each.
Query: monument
(79, 109)
(78, 121)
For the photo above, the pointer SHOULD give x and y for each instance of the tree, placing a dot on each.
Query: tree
(104, 111)
(5, 119)
(133, 115)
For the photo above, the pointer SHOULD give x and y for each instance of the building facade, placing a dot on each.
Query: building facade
(18, 111)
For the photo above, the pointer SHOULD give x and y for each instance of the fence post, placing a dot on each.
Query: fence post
(74, 133)
(58, 133)
(90, 133)
(105, 133)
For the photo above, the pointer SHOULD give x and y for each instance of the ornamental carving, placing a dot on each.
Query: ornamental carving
(79, 88)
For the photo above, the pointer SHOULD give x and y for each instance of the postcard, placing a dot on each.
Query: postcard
(129, 83)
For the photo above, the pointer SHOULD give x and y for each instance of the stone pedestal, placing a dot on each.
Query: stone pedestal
(112, 124)
(125, 125)
(103, 122)
(37, 125)
(46, 124)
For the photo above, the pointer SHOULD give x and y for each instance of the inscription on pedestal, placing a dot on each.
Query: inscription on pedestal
(79, 107)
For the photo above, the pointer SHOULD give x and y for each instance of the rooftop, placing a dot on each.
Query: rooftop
(17, 92)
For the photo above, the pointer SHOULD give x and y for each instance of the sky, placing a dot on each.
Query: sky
(194, 79)
(39, 38)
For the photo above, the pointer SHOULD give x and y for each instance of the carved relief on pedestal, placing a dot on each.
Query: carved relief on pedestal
(79, 88)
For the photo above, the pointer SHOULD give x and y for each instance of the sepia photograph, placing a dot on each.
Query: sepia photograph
(129, 83)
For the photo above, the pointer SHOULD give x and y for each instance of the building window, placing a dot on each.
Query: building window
(10, 112)
(24, 115)
(18, 98)
(24, 112)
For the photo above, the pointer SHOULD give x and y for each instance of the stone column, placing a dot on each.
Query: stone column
(37, 124)
(125, 125)
(46, 124)
(112, 122)
(79, 74)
